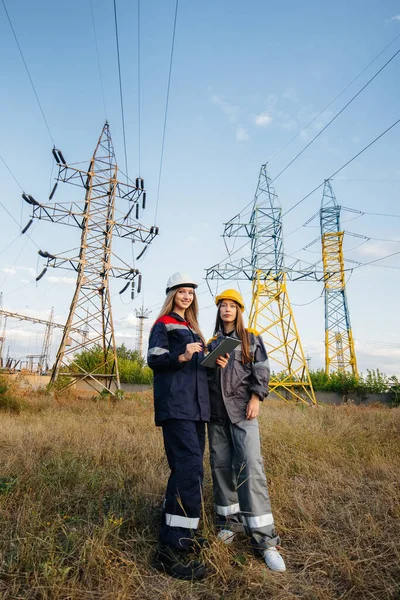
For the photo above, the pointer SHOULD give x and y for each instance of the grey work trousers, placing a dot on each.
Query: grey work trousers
(240, 487)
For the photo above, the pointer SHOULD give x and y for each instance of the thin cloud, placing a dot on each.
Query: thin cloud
(263, 119)
(395, 18)
(242, 134)
(67, 280)
(231, 111)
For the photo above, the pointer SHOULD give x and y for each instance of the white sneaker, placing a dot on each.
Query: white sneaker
(226, 536)
(274, 560)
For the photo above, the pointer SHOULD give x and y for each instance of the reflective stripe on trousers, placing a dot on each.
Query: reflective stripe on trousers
(239, 480)
(184, 443)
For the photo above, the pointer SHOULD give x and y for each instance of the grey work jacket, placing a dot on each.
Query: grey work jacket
(239, 381)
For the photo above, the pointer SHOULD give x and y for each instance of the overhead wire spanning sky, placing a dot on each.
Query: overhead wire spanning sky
(239, 88)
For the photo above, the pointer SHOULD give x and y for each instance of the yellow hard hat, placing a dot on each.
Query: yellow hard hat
(230, 295)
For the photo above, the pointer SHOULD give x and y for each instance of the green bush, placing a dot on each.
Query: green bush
(131, 365)
(7, 401)
(374, 382)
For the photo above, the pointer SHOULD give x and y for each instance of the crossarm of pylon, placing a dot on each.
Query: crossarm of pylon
(73, 263)
(125, 191)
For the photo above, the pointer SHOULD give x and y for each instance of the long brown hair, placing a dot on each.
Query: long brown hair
(191, 313)
(241, 330)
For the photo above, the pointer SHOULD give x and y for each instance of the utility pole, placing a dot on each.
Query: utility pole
(141, 315)
(271, 314)
(97, 219)
(339, 343)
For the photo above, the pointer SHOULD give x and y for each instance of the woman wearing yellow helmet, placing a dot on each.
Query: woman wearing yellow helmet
(240, 487)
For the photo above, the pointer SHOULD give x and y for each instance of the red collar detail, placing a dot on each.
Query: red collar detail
(166, 319)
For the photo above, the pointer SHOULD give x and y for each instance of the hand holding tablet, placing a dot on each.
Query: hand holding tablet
(226, 346)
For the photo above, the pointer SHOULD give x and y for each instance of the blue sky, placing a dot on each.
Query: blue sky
(246, 78)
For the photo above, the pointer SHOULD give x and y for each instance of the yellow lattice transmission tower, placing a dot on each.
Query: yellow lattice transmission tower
(271, 313)
(340, 355)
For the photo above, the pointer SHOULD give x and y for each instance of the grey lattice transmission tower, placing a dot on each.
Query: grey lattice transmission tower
(90, 308)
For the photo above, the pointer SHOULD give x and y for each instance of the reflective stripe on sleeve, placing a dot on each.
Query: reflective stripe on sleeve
(178, 521)
(156, 351)
(225, 511)
(173, 326)
(257, 522)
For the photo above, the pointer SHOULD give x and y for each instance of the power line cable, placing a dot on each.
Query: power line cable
(139, 81)
(10, 244)
(307, 303)
(12, 174)
(335, 98)
(369, 180)
(29, 75)
(120, 87)
(359, 92)
(343, 166)
(166, 110)
(364, 212)
(98, 59)
(337, 115)
(371, 262)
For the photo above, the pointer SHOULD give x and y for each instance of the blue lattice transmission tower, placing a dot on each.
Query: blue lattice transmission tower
(339, 343)
(110, 208)
(271, 314)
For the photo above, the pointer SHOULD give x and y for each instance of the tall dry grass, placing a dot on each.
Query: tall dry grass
(81, 484)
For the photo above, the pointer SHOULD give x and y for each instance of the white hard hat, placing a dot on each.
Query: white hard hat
(178, 280)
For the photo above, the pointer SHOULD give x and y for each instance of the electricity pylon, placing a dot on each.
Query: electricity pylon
(271, 314)
(339, 343)
(44, 360)
(3, 324)
(141, 315)
(91, 303)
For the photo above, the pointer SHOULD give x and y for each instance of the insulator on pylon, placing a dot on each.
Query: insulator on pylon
(25, 229)
(144, 200)
(41, 274)
(139, 287)
(137, 211)
(154, 229)
(137, 182)
(142, 183)
(132, 289)
(45, 254)
(142, 252)
(33, 201)
(124, 288)
(53, 190)
(26, 198)
(61, 157)
(56, 157)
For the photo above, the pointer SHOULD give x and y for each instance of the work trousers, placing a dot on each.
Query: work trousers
(184, 443)
(240, 487)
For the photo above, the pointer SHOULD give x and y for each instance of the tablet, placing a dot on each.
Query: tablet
(226, 346)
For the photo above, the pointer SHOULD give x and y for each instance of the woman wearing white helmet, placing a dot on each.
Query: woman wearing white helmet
(240, 486)
(182, 407)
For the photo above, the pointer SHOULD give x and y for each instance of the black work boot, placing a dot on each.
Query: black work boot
(178, 563)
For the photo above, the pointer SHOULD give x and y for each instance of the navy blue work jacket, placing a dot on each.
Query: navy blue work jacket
(180, 389)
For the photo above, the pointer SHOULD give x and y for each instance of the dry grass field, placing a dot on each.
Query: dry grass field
(81, 484)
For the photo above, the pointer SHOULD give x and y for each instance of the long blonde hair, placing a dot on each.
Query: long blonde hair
(241, 330)
(191, 313)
